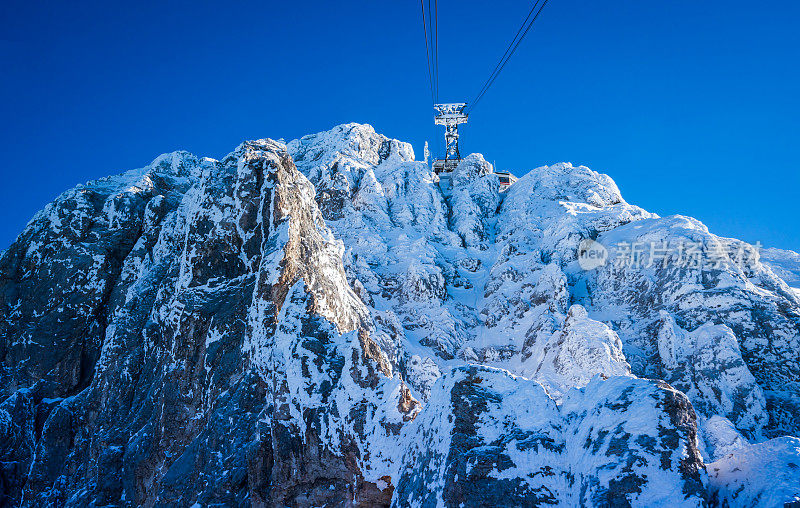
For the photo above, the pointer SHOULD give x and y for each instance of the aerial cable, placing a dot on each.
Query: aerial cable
(510, 45)
(503, 62)
(436, 45)
(433, 24)
(513, 50)
(427, 50)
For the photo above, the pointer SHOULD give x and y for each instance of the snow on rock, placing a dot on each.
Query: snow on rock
(394, 223)
(758, 309)
(488, 438)
(784, 263)
(474, 199)
(224, 327)
(583, 349)
(329, 322)
(721, 437)
(707, 365)
(763, 474)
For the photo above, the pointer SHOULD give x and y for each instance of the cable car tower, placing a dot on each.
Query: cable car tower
(453, 114)
(449, 115)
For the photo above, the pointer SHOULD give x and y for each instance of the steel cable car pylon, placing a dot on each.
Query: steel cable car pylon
(451, 116)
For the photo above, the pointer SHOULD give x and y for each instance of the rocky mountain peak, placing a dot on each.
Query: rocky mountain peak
(328, 322)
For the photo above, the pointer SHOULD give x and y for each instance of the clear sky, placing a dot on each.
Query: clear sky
(693, 107)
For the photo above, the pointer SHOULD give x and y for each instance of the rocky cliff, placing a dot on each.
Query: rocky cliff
(325, 323)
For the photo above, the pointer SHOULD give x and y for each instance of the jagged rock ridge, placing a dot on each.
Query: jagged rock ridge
(320, 323)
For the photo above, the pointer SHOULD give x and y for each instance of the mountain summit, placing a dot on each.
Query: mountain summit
(326, 322)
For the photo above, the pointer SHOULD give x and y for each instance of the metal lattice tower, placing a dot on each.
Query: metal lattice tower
(451, 115)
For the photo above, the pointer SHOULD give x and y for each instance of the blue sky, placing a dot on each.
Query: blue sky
(691, 106)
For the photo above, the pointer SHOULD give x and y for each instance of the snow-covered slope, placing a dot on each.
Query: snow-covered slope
(764, 474)
(325, 323)
(785, 264)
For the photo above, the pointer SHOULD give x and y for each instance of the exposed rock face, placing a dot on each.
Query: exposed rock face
(205, 356)
(319, 324)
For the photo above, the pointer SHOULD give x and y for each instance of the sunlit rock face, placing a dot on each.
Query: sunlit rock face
(321, 323)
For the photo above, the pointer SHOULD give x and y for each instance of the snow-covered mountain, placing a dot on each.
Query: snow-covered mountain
(325, 323)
